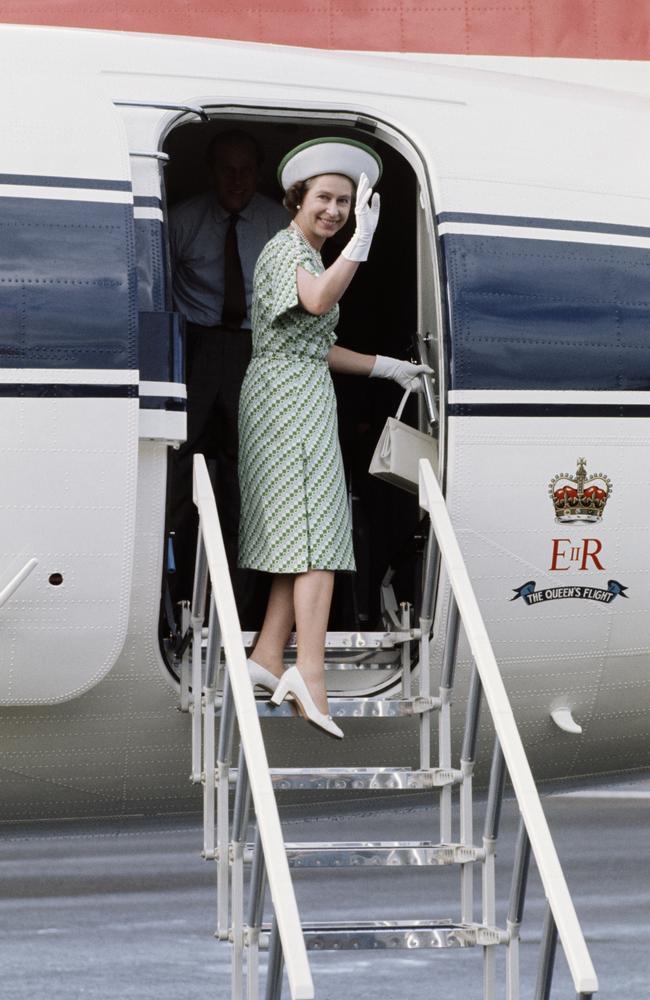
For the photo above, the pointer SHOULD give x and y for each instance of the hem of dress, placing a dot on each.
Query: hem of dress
(302, 569)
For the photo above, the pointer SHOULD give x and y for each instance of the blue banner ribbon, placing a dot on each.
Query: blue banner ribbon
(532, 596)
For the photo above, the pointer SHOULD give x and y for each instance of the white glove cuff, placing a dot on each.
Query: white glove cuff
(383, 367)
(357, 249)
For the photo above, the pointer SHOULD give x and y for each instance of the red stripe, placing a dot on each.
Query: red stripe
(605, 29)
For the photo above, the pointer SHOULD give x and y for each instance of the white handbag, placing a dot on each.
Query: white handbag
(398, 451)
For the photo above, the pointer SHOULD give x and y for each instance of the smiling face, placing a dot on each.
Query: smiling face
(325, 207)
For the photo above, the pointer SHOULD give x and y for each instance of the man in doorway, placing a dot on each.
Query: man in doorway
(215, 239)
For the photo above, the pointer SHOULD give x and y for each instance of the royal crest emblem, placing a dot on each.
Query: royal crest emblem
(580, 497)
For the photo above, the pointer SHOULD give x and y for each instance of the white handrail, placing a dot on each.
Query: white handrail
(548, 864)
(266, 811)
(15, 583)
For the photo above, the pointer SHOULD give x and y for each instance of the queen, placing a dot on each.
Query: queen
(295, 522)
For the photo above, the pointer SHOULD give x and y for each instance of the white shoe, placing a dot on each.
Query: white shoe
(292, 682)
(261, 677)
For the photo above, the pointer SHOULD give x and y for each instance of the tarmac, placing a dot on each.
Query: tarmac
(125, 909)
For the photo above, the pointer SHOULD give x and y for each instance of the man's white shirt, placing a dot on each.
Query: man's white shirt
(197, 233)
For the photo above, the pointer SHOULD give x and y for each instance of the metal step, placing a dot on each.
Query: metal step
(339, 854)
(348, 650)
(357, 778)
(356, 708)
(361, 935)
(351, 642)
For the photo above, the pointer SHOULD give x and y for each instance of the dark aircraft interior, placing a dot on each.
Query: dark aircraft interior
(378, 316)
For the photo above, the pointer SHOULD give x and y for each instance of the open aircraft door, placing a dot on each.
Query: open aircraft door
(68, 387)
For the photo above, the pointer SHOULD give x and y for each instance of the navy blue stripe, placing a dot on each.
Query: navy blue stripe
(67, 284)
(160, 345)
(526, 222)
(35, 180)
(31, 390)
(146, 201)
(547, 410)
(150, 258)
(170, 402)
(547, 314)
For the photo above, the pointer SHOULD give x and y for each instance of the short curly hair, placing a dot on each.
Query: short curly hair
(294, 195)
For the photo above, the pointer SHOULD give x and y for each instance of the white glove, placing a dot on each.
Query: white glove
(367, 216)
(403, 372)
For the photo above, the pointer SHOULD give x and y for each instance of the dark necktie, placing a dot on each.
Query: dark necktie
(234, 291)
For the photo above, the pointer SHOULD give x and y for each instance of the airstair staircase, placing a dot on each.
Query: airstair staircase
(252, 784)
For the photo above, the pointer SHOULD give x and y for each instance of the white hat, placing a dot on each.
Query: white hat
(329, 155)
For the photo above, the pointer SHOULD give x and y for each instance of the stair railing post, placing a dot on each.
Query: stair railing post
(405, 619)
(224, 754)
(490, 834)
(424, 690)
(546, 957)
(516, 910)
(185, 668)
(430, 579)
(197, 617)
(444, 723)
(255, 911)
(467, 758)
(275, 964)
(212, 660)
(429, 575)
(239, 830)
(213, 649)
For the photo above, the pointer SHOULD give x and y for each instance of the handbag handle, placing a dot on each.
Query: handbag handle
(385, 438)
(400, 408)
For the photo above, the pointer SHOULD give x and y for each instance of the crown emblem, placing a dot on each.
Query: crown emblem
(579, 498)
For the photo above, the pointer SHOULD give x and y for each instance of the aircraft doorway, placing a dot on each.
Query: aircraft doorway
(379, 315)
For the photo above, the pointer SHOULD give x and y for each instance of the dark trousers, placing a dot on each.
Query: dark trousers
(216, 362)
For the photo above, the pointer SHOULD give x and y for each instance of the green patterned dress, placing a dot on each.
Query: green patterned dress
(294, 508)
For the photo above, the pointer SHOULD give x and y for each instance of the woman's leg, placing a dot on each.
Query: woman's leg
(277, 626)
(312, 596)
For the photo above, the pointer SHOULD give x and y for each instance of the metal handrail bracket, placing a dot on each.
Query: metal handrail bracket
(194, 109)
(548, 864)
(268, 820)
